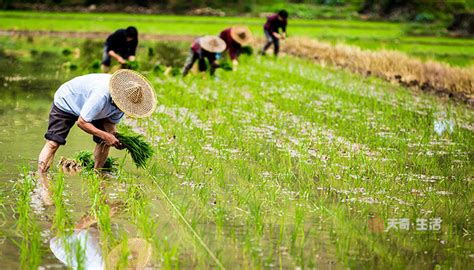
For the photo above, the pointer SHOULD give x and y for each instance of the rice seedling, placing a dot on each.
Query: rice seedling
(136, 145)
(86, 160)
(30, 247)
(62, 221)
(293, 164)
(133, 65)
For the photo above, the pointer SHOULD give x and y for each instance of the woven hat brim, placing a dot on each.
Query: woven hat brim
(139, 249)
(205, 43)
(120, 81)
(234, 33)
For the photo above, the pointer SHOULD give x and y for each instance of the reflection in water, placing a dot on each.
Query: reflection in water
(29, 84)
(82, 249)
(68, 249)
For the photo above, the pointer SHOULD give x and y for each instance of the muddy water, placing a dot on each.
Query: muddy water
(25, 102)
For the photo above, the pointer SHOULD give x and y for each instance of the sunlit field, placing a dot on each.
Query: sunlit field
(280, 164)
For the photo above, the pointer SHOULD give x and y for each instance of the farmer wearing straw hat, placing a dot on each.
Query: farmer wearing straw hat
(96, 102)
(120, 45)
(204, 47)
(234, 38)
(271, 30)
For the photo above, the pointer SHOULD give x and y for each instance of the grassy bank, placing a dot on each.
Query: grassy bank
(370, 35)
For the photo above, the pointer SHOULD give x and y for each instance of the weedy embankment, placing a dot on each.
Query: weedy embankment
(392, 66)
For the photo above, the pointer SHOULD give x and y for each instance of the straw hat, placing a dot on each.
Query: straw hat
(212, 44)
(132, 93)
(241, 34)
(139, 254)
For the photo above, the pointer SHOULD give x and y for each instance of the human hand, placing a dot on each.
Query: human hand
(131, 58)
(121, 60)
(110, 140)
(235, 63)
(119, 146)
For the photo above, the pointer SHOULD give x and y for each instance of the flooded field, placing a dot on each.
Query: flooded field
(281, 164)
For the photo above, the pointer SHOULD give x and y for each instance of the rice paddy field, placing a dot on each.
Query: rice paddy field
(365, 34)
(281, 164)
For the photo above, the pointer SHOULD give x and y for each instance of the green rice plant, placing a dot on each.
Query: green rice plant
(30, 246)
(133, 65)
(124, 253)
(138, 148)
(66, 52)
(95, 65)
(85, 158)
(62, 221)
(247, 50)
(226, 65)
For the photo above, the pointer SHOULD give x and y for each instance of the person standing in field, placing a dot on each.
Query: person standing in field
(96, 102)
(235, 37)
(271, 30)
(121, 45)
(202, 48)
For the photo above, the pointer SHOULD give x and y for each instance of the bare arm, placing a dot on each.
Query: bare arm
(275, 34)
(235, 63)
(108, 138)
(117, 57)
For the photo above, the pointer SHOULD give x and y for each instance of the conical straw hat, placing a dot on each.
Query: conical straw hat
(241, 34)
(212, 44)
(132, 93)
(139, 254)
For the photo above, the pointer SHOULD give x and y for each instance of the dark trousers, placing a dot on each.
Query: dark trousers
(201, 58)
(271, 40)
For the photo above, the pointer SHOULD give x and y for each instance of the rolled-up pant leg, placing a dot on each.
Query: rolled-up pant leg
(192, 57)
(276, 45)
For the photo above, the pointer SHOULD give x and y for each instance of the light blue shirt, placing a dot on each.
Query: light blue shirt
(88, 96)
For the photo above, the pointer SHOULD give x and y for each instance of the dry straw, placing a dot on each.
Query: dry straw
(389, 65)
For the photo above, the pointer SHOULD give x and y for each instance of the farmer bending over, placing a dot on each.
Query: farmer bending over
(272, 28)
(204, 47)
(96, 102)
(236, 37)
(121, 45)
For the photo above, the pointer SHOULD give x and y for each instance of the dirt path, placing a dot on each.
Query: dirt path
(94, 35)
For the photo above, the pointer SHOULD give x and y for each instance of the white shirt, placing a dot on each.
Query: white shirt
(88, 96)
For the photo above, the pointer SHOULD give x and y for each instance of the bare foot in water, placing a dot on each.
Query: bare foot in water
(45, 194)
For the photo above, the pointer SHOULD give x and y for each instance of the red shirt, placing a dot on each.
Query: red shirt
(273, 24)
(195, 46)
(233, 47)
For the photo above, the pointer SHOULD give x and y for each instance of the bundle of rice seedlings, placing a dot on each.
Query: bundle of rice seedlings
(133, 65)
(226, 65)
(138, 148)
(86, 160)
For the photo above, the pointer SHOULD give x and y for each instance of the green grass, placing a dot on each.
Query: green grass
(281, 164)
(365, 34)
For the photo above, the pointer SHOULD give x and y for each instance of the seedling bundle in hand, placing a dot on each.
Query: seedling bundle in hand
(138, 148)
(226, 65)
(133, 65)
